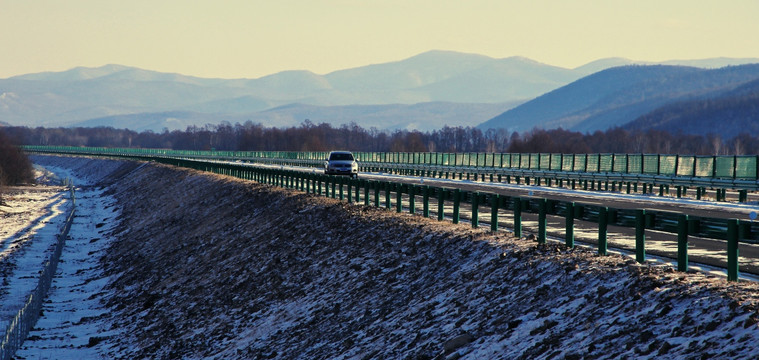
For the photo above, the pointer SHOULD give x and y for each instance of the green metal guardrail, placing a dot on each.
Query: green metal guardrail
(721, 167)
(589, 171)
(731, 230)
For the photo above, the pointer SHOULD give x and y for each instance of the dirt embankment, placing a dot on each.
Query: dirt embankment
(213, 267)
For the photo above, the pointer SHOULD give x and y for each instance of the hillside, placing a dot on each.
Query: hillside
(196, 270)
(736, 112)
(619, 95)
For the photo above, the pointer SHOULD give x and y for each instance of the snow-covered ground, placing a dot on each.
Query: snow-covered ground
(73, 321)
(176, 264)
(30, 222)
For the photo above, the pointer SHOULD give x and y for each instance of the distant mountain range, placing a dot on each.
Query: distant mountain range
(424, 92)
(621, 95)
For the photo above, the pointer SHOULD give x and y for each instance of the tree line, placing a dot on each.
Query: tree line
(324, 137)
(15, 167)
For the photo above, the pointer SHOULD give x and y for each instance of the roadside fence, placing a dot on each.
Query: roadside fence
(18, 329)
(596, 172)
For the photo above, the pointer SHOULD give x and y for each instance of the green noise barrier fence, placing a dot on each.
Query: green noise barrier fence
(596, 172)
(722, 167)
(380, 194)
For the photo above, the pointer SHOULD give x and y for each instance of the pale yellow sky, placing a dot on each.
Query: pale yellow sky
(253, 38)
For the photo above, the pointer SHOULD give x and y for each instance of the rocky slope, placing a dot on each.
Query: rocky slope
(210, 267)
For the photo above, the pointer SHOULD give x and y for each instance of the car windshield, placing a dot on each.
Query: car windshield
(341, 156)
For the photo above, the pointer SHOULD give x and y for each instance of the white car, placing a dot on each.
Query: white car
(341, 163)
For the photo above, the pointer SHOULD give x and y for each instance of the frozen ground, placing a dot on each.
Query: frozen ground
(195, 266)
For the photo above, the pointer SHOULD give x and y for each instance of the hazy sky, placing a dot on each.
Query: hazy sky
(252, 38)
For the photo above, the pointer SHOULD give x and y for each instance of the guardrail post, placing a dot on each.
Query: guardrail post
(387, 194)
(426, 201)
(640, 236)
(399, 197)
(518, 217)
(340, 183)
(456, 205)
(682, 242)
(350, 190)
(570, 225)
(732, 250)
(475, 209)
(366, 192)
(494, 203)
(603, 223)
(543, 204)
(412, 199)
(440, 203)
(742, 196)
(376, 186)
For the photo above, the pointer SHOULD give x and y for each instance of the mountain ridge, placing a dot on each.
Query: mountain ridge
(78, 95)
(616, 96)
